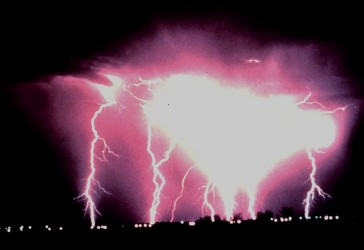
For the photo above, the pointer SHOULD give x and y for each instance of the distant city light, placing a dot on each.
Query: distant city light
(21, 228)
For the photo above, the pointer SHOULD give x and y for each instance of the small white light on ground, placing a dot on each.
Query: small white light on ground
(289, 218)
(330, 218)
(326, 217)
(182, 222)
(337, 217)
(145, 225)
(238, 221)
(191, 223)
(60, 228)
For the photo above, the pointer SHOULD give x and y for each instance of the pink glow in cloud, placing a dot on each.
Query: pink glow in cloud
(249, 120)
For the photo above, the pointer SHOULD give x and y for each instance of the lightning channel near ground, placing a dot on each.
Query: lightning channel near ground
(109, 95)
(235, 150)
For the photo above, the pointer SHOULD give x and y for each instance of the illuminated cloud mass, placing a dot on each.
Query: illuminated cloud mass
(184, 124)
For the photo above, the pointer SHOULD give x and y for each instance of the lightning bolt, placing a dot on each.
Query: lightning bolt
(181, 193)
(158, 178)
(314, 187)
(109, 94)
(209, 188)
(310, 196)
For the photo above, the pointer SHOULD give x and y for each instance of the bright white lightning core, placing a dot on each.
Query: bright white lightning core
(234, 136)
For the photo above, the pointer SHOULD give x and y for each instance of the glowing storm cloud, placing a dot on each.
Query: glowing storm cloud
(197, 134)
(234, 136)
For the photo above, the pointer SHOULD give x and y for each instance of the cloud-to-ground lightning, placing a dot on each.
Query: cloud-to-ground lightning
(108, 92)
(158, 178)
(314, 186)
(206, 203)
(262, 123)
(181, 193)
(234, 137)
(254, 147)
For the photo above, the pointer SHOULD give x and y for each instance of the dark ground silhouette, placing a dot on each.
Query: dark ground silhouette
(258, 233)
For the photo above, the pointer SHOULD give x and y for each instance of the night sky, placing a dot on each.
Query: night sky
(37, 184)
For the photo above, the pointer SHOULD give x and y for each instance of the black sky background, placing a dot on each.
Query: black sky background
(39, 41)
